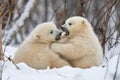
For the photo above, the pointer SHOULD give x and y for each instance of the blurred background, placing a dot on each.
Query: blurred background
(21, 17)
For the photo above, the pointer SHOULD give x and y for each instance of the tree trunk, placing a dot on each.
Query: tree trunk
(1, 38)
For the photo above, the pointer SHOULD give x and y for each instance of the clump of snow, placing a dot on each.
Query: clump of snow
(65, 73)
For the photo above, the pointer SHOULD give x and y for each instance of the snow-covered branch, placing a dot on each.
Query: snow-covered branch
(20, 22)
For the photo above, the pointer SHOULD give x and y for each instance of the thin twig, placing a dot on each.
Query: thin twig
(118, 60)
(6, 26)
(55, 12)
(11, 60)
(106, 71)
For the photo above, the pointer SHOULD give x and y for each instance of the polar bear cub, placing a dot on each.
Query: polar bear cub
(81, 48)
(35, 50)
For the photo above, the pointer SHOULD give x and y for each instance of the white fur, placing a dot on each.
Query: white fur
(81, 48)
(35, 50)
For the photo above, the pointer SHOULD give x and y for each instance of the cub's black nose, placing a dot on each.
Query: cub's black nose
(57, 38)
(65, 30)
(60, 33)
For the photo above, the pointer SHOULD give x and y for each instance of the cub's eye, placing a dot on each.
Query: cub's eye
(70, 24)
(51, 32)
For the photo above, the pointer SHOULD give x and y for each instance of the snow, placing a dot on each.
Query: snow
(65, 73)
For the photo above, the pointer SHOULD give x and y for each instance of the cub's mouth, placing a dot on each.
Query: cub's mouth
(58, 37)
(65, 30)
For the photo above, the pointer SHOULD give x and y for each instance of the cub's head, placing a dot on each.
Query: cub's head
(46, 33)
(74, 25)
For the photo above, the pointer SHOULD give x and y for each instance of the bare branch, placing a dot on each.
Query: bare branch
(11, 60)
(20, 22)
(118, 61)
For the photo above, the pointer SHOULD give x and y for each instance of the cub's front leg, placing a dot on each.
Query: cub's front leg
(67, 50)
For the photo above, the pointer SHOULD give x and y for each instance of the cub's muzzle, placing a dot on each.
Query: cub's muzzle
(65, 30)
(58, 37)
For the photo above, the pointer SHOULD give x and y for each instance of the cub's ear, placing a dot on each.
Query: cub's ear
(37, 36)
(83, 22)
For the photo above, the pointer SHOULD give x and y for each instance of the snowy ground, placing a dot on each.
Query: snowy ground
(65, 73)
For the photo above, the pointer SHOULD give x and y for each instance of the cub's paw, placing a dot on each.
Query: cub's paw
(54, 47)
